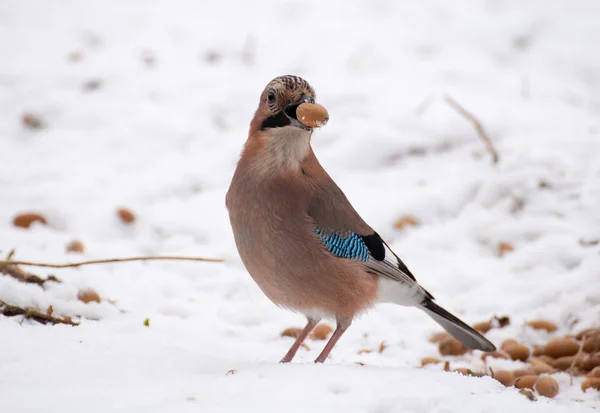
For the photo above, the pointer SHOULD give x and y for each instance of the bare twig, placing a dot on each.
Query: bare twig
(478, 127)
(107, 261)
(31, 313)
(10, 268)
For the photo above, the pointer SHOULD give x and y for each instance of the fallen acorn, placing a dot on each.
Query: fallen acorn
(546, 359)
(293, 332)
(518, 352)
(591, 361)
(321, 332)
(508, 343)
(429, 360)
(595, 372)
(495, 355)
(452, 347)
(88, 295)
(524, 372)
(591, 343)
(588, 332)
(525, 382)
(507, 378)
(26, 219)
(538, 350)
(540, 367)
(591, 383)
(564, 363)
(75, 246)
(437, 337)
(125, 215)
(561, 347)
(312, 115)
(482, 326)
(546, 386)
(549, 326)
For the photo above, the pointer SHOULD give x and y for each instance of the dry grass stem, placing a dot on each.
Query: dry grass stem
(478, 127)
(11, 263)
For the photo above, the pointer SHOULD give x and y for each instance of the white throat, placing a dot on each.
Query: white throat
(287, 146)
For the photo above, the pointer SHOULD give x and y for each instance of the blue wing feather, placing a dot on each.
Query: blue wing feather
(351, 246)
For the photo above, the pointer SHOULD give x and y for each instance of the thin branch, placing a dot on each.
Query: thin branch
(9, 268)
(33, 314)
(478, 127)
(107, 261)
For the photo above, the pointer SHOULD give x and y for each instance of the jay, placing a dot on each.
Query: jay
(300, 238)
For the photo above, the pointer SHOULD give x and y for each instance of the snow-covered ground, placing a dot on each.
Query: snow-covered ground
(147, 104)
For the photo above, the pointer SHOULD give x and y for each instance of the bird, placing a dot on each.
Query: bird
(302, 241)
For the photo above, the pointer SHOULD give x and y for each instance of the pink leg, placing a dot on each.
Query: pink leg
(342, 326)
(301, 337)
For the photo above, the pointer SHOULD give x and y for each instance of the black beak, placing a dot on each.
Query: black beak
(290, 112)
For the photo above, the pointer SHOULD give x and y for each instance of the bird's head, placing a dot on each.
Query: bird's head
(278, 104)
(275, 129)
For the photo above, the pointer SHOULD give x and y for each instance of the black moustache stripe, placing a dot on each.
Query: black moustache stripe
(275, 121)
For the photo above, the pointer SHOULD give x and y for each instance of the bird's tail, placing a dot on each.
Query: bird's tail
(458, 329)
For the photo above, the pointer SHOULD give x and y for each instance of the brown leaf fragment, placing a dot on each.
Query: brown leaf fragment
(406, 221)
(529, 394)
(32, 121)
(504, 248)
(503, 321)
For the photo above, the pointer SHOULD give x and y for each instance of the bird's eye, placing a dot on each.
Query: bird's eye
(271, 97)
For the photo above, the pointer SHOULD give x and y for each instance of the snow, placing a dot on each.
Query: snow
(179, 81)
